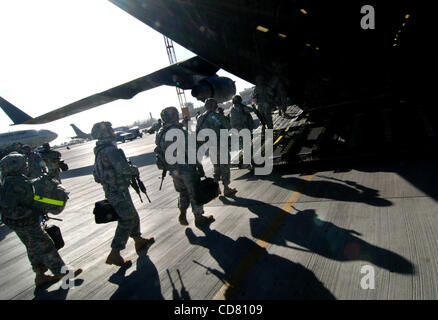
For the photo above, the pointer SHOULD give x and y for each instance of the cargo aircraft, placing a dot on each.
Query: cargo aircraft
(326, 54)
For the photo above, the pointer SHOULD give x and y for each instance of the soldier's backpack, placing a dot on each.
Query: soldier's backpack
(49, 195)
(206, 190)
(160, 159)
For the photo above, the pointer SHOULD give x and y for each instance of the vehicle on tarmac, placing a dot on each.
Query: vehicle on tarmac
(136, 132)
(123, 136)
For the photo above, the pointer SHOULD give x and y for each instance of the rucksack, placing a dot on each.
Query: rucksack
(160, 158)
(49, 195)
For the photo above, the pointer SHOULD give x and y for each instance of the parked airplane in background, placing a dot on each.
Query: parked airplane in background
(33, 137)
(81, 134)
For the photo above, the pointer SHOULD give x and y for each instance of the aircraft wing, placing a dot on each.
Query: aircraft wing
(15, 114)
(184, 74)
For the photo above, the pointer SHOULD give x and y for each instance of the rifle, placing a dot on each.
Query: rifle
(163, 175)
(138, 186)
(45, 217)
(135, 186)
(142, 187)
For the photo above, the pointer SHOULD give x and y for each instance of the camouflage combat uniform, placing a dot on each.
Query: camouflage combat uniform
(35, 164)
(20, 216)
(239, 117)
(277, 86)
(51, 159)
(112, 170)
(264, 97)
(216, 121)
(185, 176)
(156, 126)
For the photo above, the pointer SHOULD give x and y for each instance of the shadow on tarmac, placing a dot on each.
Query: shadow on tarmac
(288, 280)
(139, 161)
(318, 236)
(141, 284)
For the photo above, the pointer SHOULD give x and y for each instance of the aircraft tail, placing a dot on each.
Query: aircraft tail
(79, 132)
(15, 114)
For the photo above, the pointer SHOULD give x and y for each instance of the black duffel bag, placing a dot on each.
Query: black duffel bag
(104, 212)
(54, 233)
(63, 166)
(206, 190)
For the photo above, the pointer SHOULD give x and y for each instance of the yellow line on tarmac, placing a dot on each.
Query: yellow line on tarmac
(245, 266)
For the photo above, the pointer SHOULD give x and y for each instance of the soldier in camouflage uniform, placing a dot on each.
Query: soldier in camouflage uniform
(155, 127)
(19, 215)
(214, 120)
(240, 118)
(185, 176)
(35, 163)
(278, 88)
(52, 160)
(14, 147)
(240, 115)
(263, 95)
(114, 173)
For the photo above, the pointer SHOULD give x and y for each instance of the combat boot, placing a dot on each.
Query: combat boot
(59, 276)
(182, 217)
(141, 243)
(203, 220)
(229, 192)
(42, 279)
(116, 259)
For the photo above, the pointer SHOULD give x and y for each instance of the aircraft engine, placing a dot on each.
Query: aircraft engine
(220, 88)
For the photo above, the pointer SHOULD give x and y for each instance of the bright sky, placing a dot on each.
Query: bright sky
(54, 52)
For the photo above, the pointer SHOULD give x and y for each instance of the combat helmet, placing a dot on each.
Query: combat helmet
(102, 130)
(237, 99)
(210, 104)
(13, 163)
(169, 115)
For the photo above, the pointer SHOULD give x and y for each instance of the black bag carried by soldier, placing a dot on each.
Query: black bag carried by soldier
(54, 233)
(63, 165)
(49, 195)
(104, 212)
(206, 190)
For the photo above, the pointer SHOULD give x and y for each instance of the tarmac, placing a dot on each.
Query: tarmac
(364, 232)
